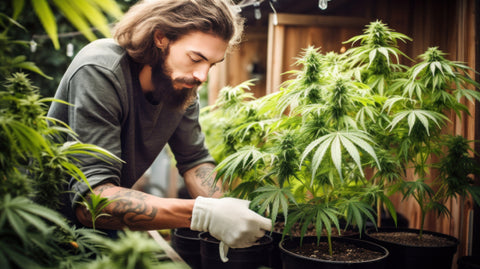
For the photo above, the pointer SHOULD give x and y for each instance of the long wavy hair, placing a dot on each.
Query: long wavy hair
(175, 18)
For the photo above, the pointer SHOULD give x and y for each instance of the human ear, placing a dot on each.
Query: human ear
(161, 41)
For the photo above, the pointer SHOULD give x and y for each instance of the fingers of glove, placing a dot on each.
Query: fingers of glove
(244, 243)
(264, 223)
(244, 239)
(247, 229)
(223, 250)
(259, 234)
(237, 202)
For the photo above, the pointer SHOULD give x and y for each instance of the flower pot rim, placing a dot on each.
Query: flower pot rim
(183, 236)
(217, 242)
(385, 250)
(454, 241)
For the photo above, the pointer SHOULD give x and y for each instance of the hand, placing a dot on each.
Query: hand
(230, 221)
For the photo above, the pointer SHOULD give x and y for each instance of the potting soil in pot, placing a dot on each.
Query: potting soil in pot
(341, 252)
(347, 253)
(407, 250)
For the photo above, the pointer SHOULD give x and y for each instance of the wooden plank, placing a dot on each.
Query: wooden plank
(171, 253)
(275, 49)
(296, 32)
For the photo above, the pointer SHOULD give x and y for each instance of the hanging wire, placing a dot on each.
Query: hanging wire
(275, 18)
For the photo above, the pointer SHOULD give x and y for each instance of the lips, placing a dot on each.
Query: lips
(188, 85)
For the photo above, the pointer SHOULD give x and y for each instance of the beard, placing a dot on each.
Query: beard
(164, 90)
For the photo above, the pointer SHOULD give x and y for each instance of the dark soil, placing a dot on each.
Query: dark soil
(343, 252)
(412, 239)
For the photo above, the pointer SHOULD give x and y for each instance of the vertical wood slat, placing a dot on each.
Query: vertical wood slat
(235, 68)
(296, 32)
(274, 54)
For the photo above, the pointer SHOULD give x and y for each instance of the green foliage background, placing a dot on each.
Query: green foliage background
(53, 62)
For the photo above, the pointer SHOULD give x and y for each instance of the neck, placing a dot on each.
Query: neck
(145, 78)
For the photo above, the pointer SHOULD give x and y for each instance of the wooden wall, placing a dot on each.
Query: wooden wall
(293, 33)
(447, 24)
(239, 64)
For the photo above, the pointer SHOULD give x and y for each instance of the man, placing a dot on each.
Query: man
(136, 93)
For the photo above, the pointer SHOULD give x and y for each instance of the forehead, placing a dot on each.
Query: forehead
(210, 46)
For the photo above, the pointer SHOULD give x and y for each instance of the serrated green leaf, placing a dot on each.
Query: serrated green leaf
(417, 69)
(336, 154)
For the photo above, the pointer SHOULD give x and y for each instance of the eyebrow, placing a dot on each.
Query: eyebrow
(199, 54)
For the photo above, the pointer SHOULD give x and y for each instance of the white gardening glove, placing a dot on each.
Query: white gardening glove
(230, 221)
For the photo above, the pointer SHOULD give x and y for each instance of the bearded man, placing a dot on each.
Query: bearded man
(136, 93)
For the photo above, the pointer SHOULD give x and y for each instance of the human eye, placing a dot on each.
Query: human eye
(195, 59)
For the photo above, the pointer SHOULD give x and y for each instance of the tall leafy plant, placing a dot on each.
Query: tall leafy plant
(337, 138)
(33, 165)
(307, 161)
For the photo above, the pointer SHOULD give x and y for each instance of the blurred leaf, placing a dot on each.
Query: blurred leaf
(109, 6)
(32, 67)
(17, 8)
(75, 18)
(93, 15)
(45, 14)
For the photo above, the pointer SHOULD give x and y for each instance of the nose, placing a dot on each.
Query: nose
(201, 73)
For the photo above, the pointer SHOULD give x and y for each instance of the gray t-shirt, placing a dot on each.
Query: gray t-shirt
(110, 110)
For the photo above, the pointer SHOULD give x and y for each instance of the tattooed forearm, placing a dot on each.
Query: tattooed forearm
(132, 207)
(206, 175)
(128, 208)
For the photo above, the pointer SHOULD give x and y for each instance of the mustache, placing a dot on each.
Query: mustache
(187, 80)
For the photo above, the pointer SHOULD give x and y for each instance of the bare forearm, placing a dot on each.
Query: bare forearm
(138, 211)
(200, 181)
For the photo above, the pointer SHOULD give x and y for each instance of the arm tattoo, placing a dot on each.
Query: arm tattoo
(130, 207)
(205, 174)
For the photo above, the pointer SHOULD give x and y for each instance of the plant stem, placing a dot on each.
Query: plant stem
(379, 213)
(422, 222)
(330, 249)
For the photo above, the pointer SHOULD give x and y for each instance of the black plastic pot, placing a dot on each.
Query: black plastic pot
(416, 257)
(291, 260)
(469, 262)
(241, 258)
(187, 244)
(276, 262)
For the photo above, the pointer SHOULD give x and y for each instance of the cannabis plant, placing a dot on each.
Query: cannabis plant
(307, 156)
(131, 250)
(34, 163)
(335, 141)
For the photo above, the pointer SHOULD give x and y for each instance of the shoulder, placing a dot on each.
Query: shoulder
(104, 53)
